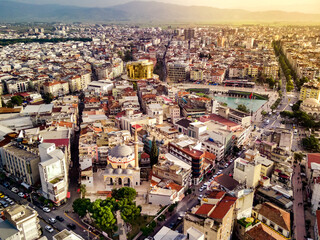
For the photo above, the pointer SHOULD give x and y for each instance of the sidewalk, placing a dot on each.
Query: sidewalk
(298, 229)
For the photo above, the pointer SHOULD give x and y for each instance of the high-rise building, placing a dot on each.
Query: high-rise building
(189, 33)
(177, 72)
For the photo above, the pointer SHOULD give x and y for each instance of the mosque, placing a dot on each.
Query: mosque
(122, 166)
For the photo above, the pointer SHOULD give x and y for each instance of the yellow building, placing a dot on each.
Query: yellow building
(310, 90)
(196, 74)
(142, 69)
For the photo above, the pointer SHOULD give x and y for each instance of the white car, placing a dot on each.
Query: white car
(52, 220)
(47, 210)
(15, 190)
(21, 194)
(49, 229)
(219, 172)
(200, 197)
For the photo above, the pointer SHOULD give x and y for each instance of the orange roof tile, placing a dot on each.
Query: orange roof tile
(223, 207)
(205, 209)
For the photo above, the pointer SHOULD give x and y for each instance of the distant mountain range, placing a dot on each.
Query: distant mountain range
(144, 12)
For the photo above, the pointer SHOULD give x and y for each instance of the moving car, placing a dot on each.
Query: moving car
(47, 210)
(71, 226)
(60, 219)
(49, 229)
(21, 194)
(52, 220)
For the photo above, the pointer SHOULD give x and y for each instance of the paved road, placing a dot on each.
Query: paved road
(45, 216)
(299, 230)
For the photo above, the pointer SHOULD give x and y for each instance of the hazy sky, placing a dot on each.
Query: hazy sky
(307, 6)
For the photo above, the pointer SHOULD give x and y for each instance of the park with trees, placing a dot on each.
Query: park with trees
(102, 212)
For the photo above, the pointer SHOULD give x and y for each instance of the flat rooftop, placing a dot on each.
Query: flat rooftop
(21, 153)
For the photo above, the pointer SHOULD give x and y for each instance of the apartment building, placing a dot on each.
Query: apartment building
(177, 72)
(56, 88)
(21, 162)
(25, 220)
(247, 172)
(310, 90)
(53, 173)
(214, 219)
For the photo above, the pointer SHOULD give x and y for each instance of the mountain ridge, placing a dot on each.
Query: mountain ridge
(139, 11)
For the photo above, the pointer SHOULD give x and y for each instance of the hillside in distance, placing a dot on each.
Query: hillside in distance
(144, 12)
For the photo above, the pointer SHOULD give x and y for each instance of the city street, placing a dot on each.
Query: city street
(298, 229)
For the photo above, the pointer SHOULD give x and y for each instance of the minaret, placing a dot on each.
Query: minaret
(136, 145)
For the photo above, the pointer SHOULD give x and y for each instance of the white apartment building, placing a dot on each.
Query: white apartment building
(247, 172)
(56, 88)
(155, 110)
(17, 85)
(53, 173)
(25, 219)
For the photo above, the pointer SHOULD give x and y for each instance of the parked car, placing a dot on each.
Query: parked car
(52, 220)
(171, 225)
(6, 184)
(47, 210)
(1, 195)
(200, 197)
(4, 203)
(49, 229)
(71, 226)
(60, 219)
(15, 190)
(21, 194)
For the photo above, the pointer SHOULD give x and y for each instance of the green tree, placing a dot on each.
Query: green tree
(81, 205)
(154, 153)
(83, 190)
(48, 97)
(243, 108)
(124, 193)
(311, 143)
(298, 156)
(17, 100)
(128, 210)
(102, 215)
(264, 113)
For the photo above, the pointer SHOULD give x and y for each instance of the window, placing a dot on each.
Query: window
(272, 225)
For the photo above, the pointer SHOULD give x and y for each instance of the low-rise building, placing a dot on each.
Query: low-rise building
(274, 217)
(66, 234)
(25, 219)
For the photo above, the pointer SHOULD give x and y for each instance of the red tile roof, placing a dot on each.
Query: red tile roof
(223, 207)
(263, 232)
(205, 209)
(216, 194)
(217, 118)
(313, 158)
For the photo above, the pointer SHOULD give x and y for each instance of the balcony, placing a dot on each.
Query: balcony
(56, 180)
